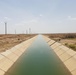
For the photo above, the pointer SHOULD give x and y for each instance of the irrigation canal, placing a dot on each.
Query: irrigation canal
(38, 59)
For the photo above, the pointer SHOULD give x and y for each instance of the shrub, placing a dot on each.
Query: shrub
(66, 44)
(72, 46)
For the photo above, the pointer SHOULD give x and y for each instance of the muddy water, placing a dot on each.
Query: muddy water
(38, 60)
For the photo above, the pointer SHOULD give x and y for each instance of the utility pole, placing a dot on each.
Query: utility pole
(29, 30)
(5, 27)
(23, 32)
(15, 31)
(26, 32)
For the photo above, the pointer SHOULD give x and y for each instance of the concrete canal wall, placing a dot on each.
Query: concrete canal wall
(67, 56)
(9, 57)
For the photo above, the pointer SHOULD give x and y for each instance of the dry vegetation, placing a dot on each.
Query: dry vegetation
(68, 39)
(10, 40)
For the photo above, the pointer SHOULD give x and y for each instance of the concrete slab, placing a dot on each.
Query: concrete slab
(67, 56)
(71, 52)
(71, 64)
(57, 49)
(60, 52)
(74, 72)
(64, 57)
(64, 48)
(5, 63)
(1, 57)
(46, 38)
(74, 56)
(2, 72)
(10, 55)
(55, 45)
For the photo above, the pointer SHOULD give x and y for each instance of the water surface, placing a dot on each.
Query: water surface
(39, 59)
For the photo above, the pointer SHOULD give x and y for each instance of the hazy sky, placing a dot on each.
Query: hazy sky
(50, 16)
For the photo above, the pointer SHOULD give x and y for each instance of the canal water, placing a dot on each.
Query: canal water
(38, 59)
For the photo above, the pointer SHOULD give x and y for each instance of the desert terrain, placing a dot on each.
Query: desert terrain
(67, 39)
(10, 40)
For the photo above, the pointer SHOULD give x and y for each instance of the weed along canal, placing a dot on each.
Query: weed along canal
(38, 59)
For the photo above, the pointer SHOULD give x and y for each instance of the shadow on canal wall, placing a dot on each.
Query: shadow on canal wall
(9, 57)
(67, 56)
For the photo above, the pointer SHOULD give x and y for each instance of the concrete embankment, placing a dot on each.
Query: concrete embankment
(67, 56)
(9, 57)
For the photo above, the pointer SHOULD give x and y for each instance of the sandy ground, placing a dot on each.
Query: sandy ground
(69, 42)
(9, 41)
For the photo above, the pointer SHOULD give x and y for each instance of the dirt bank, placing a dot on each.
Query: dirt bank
(10, 40)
